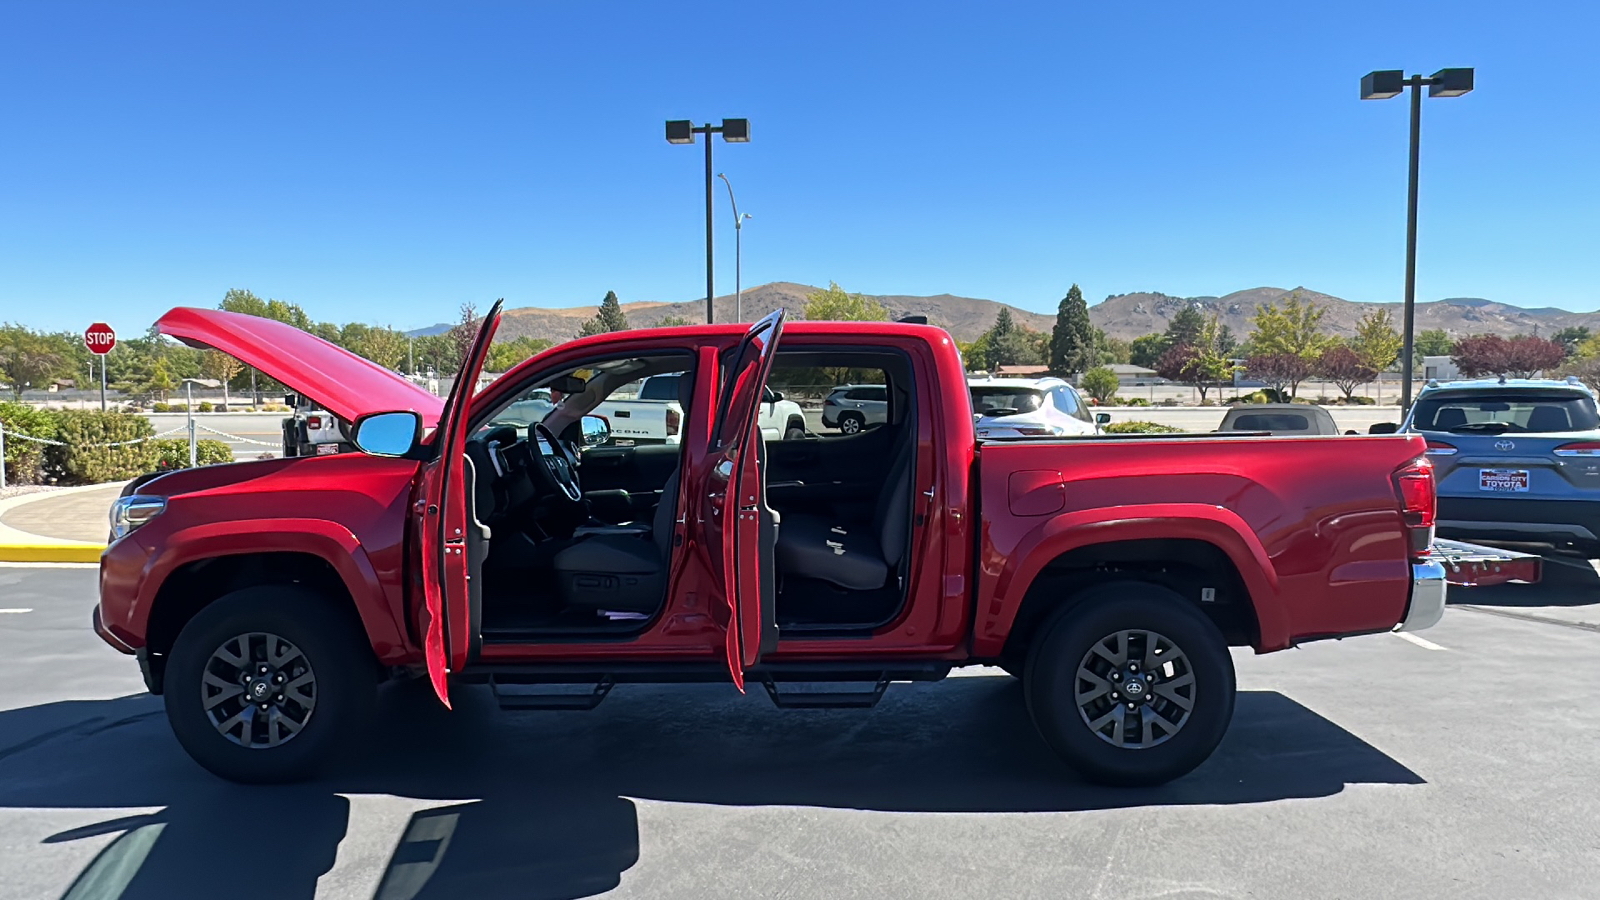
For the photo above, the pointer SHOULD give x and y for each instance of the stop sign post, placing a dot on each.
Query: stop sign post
(100, 340)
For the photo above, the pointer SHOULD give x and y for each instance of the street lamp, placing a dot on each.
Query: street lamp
(1382, 86)
(734, 131)
(738, 250)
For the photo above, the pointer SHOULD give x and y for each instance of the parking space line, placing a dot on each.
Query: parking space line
(1420, 642)
(17, 609)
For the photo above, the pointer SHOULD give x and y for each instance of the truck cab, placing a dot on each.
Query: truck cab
(265, 600)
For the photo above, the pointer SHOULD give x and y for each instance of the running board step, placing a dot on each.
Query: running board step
(792, 699)
(550, 700)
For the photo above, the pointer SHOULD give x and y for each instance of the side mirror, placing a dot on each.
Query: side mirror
(387, 433)
(595, 430)
(1383, 428)
(777, 397)
(1102, 418)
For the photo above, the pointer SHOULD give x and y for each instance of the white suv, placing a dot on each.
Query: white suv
(1026, 407)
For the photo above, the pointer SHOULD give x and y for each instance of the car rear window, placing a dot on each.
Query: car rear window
(661, 387)
(988, 401)
(1271, 422)
(1502, 412)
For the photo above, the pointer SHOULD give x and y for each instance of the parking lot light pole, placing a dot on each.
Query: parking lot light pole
(734, 131)
(738, 250)
(1383, 85)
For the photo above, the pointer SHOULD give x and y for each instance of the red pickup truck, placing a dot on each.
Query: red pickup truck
(266, 600)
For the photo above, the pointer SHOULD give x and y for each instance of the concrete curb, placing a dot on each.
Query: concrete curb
(21, 546)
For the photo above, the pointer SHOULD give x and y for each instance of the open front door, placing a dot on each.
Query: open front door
(448, 616)
(740, 528)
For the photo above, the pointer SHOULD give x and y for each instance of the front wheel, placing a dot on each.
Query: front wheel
(1131, 685)
(268, 684)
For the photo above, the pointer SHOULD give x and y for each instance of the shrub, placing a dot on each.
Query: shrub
(1140, 428)
(24, 460)
(1100, 383)
(173, 453)
(205, 406)
(81, 461)
(158, 406)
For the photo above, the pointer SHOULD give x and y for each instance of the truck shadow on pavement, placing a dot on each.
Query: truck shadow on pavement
(536, 805)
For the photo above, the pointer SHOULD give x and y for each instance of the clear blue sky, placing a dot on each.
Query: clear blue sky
(383, 162)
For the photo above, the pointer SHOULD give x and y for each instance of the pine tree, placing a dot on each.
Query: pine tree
(609, 318)
(1072, 345)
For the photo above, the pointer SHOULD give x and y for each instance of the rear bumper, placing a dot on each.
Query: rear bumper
(1427, 597)
(1515, 519)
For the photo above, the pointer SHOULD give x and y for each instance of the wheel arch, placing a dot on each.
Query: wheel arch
(199, 565)
(1175, 548)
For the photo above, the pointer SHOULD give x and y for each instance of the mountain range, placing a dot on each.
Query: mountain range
(1124, 316)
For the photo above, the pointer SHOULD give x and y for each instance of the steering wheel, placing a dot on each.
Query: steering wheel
(558, 469)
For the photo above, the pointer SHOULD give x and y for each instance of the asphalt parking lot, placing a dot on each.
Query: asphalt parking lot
(1460, 766)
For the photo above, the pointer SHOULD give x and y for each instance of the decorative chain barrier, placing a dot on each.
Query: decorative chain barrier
(40, 440)
(235, 437)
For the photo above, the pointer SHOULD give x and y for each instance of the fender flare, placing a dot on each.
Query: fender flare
(324, 539)
(1215, 525)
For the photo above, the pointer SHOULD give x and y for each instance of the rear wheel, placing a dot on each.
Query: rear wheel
(851, 423)
(269, 684)
(1131, 685)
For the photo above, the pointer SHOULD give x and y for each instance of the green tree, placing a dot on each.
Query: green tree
(1101, 383)
(673, 322)
(1202, 363)
(1110, 350)
(1072, 347)
(1433, 342)
(609, 318)
(1295, 328)
(222, 367)
(384, 346)
(507, 355)
(1571, 337)
(1146, 351)
(1185, 326)
(161, 381)
(834, 305)
(1376, 343)
(28, 358)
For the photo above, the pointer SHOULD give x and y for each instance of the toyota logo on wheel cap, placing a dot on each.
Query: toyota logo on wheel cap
(1504, 445)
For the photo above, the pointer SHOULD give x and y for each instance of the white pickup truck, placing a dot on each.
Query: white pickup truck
(654, 416)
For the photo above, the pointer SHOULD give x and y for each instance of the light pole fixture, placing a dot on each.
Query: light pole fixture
(734, 131)
(1382, 86)
(738, 250)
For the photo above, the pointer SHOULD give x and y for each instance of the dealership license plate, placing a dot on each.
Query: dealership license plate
(1503, 481)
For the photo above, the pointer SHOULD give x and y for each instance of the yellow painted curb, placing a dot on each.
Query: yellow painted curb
(58, 553)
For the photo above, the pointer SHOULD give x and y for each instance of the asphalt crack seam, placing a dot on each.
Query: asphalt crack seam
(1529, 617)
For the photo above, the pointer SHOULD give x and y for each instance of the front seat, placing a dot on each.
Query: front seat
(624, 572)
(859, 556)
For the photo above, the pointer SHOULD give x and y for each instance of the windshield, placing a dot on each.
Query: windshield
(1005, 401)
(1501, 412)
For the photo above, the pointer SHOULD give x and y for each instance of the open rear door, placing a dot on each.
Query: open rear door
(740, 528)
(448, 618)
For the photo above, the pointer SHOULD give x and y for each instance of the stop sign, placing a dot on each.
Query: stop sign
(99, 338)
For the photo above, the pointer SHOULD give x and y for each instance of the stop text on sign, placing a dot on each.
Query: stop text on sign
(99, 338)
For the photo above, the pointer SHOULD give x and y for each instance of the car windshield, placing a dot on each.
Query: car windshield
(1500, 412)
(1004, 401)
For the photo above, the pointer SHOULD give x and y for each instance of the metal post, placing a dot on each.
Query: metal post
(738, 263)
(2, 456)
(188, 406)
(103, 381)
(1408, 349)
(710, 282)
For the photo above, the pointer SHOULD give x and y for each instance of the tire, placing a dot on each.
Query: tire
(342, 685)
(851, 423)
(1162, 743)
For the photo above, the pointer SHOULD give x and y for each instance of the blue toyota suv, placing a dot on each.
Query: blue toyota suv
(1515, 460)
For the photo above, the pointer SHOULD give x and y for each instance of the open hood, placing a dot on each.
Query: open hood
(345, 384)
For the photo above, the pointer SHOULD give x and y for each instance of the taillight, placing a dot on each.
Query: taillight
(1581, 448)
(1440, 448)
(1413, 482)
(673, 421)
(313, 422)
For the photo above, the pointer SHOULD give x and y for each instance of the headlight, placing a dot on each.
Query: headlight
(129, 513)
